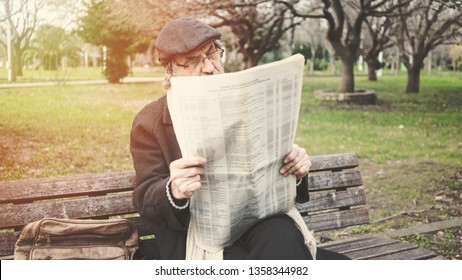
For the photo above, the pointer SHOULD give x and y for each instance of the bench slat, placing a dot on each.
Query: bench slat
(414, 254)
(334, 180)
(359, 244)
(437, 258)
(23, 191)
(379, 251)
(387, 248)
(333, 161)
(7, 241)
(332, 200)
(91, 207)
(337, 220)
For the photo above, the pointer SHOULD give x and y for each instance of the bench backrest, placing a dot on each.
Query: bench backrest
(337, 199)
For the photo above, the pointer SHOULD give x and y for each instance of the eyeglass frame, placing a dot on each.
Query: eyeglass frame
(218, 49)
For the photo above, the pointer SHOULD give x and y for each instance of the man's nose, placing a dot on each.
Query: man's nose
(207, 66)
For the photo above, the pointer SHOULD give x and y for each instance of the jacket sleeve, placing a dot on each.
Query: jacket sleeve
(152, 174)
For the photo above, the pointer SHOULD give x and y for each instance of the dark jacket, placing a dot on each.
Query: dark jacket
(154, 146)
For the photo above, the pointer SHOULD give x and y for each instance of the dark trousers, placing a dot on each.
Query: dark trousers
(275, 238)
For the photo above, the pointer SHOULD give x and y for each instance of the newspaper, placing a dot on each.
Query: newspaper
(244, 124)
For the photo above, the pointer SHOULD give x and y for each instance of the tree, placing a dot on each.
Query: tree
(311, 32)
(50, 45)
(22, 18)
(148, 17)
(376, 40)
(3, 53)
(345, 20)
(100, 26)
(257, 25)
(423, 25)
(456, 56)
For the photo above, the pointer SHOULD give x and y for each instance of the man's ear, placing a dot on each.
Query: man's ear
(169, 70)
(168, 74)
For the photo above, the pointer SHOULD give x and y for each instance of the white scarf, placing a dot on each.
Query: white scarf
(194, 252)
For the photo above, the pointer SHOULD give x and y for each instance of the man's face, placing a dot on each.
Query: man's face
(204, 61)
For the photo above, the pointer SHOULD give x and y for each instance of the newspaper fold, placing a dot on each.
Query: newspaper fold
(244, 124)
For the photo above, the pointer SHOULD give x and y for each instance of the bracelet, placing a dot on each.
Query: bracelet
(167, 189)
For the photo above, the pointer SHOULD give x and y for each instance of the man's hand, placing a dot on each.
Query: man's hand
(185, 174)
(296, 162)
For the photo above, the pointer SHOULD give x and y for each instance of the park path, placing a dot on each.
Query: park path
(84, 82)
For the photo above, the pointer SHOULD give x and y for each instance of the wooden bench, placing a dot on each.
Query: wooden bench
(337, 200)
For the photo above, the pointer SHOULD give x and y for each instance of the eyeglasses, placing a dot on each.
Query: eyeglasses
(214, 56)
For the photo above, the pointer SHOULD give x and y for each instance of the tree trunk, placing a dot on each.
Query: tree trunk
(12, 68)
(413, 79)
(253, 61)
(116, 65)
(429, 63)
(347, 83)
(397, 63)
(371, 73)
(17, 65)
(313, 56)
(17, 59)
(246, 61)
(13, 77)
(332, 62)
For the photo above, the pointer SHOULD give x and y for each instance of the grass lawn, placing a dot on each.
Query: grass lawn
(51, 131)
(409, 145)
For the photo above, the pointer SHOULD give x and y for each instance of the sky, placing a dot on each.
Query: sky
(64, 16)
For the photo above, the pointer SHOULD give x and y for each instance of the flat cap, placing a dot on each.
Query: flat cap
(182, 36)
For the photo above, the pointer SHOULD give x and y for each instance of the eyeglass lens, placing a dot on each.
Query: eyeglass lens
(213, 57)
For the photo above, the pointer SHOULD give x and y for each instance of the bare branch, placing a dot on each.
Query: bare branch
(295, 12)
